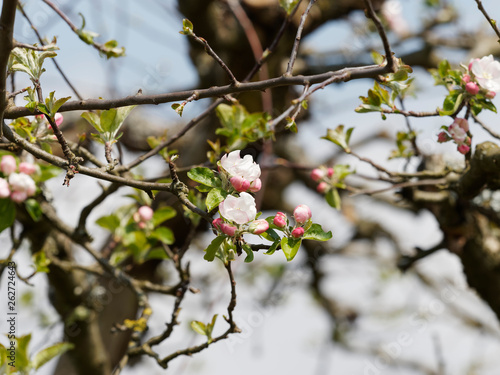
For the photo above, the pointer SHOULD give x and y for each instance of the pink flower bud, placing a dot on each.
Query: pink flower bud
(330, 172)
(302, 214)
(258, 226)
(317, 174)
(443, 137)
(463, 123)
(141, 224)
(280, 220)
(27, 168)
(228, 229)
(472, 88)
(8, 164)
(18, 196)
(239, 183)
(145, 213)
(4, 188)
(217, 224)
(463, 148)
(322, 187)
(298, 232)
(490, 94)
(255, 185)
(466, 78)
(58, 119)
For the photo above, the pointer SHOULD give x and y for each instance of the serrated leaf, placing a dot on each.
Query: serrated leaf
(290, 247)
(211, 250)
(315, 232)
(214, 198)
(204, 176)
(45, 355)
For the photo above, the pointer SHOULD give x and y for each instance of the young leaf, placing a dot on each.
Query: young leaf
(199, 327)
(213, 247)
(204, 176)
(163, 234)
(290, 247)
(315, 232)
(333, 198)
(214, 197)
(248, 249)
(45, 355)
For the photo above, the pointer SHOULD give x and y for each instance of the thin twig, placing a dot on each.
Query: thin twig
(488, 18)
(298, 37)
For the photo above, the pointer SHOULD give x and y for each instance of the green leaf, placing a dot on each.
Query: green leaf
(204, 176)
(41, 262)
(164, 234)
(338, 137)
(178, 108)
(110, 222)
(7, 213)
(48, 171)
(315, 232)
(45, 355)
(213, 247)
(290, 247)
(199, 327)
(22, 357)
(94, 120)
(34, 209)
(273, 247)
(163, 214)
(451, 103)
(214, 198)
(333, 198)
(288, 5)
(187, 27)
(444, 67)
(248, 249)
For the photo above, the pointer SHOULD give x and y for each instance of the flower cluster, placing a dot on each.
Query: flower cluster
(16, 182)
(143, 216)
(322, 176)
(458, 131)
(302, 215)
(242, 173)
(483, 76)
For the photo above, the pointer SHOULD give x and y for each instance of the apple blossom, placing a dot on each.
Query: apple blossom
(258, 226)
(329, 172)
(27, 168)
(239, 210)
(58, 119)
(298, 232)
(472, 88)
(217, 223)
(20, 182)
(487, 72)
(255, 185)
(458, 130)
(466, 78)
(302, 214)
(463, 148)
(443, 137)
(280, 220)
(8, 164)
(244, 167)
(227, 229)
(322, 187)
(18, 196)
(490, 94)
(4, 188)
(145, 213)
(317, 174)
(239, 183)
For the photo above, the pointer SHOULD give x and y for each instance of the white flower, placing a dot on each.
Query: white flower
(21, 182)
(487, 72)
(244, 167)
(239, 210)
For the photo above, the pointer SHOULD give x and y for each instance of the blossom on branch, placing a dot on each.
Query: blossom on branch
(239, 210)
(243, 173)
(486, 72)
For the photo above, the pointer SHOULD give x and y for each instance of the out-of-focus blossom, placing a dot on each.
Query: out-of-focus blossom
(4, 188)
(145, 213)
(322, 187)
(27, 168)
(8, 164)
